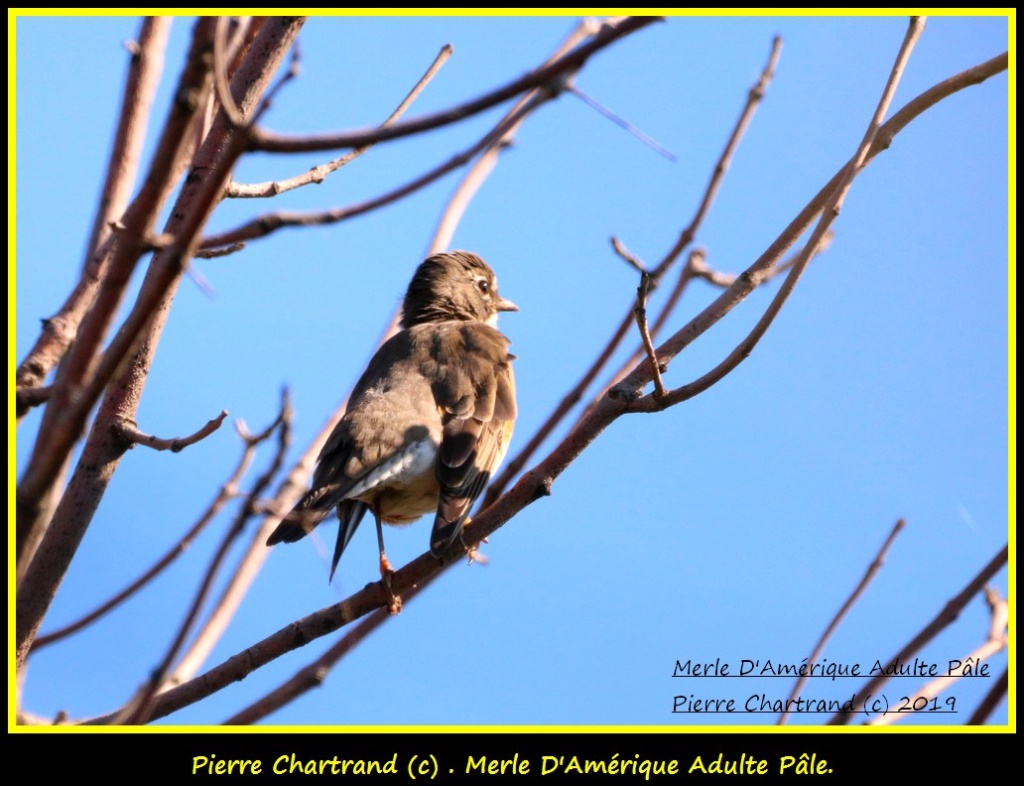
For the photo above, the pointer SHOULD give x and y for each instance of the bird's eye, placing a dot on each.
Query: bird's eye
(484, 286)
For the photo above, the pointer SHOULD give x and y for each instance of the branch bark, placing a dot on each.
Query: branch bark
(137, 338)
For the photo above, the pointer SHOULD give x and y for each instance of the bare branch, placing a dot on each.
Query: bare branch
(29, 397)
(227, 491)
(754, 97)
(213, 253)
(480, 169)
(271, 222)
(131, 433)
(628, 256)
(138, 336)
(319, 173)
(939, 623)
(313, 674)
(63, 422)
(869, 575)
(220, 75)
(550, 76)
(995, 643)
(138, 709)
(754, 275)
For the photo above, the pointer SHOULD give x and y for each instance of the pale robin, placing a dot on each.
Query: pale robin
(428, 422)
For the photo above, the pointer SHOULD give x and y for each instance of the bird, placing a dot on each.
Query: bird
(428, 422)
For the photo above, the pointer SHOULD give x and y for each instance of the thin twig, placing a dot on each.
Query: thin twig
(481, 168)
(319, 173)
(232, 111)
(940, 622)
(754, 97)
(722, 280)
(627, 255)
(869, 575)
(640, 312)
(131, 433)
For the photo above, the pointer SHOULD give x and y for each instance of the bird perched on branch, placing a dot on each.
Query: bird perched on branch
(428, 422)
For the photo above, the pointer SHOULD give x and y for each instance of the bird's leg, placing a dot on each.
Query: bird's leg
(386, 571)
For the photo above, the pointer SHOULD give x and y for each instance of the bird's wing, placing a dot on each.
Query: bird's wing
(475, 393)
(354, 458)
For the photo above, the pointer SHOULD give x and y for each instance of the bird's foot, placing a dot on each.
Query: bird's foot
(474, 555)
(386, 572)
(473, 552)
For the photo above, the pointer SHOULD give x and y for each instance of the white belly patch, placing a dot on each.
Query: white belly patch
(404, 484)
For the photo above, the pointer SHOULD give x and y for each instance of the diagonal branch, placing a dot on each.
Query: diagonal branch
(319, 173)
(313, 674)
(869, 576)
(549, 76)
(940, 622)
(969, 665)
(271, 222)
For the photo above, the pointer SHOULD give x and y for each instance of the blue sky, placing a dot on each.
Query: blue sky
(732, 526)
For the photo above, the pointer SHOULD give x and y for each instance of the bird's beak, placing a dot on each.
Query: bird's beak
(506, 305)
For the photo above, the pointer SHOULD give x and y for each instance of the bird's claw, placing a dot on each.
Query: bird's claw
(386, 572)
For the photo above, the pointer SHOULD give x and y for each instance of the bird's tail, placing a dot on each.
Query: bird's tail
(307, 513)
(310, 511)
